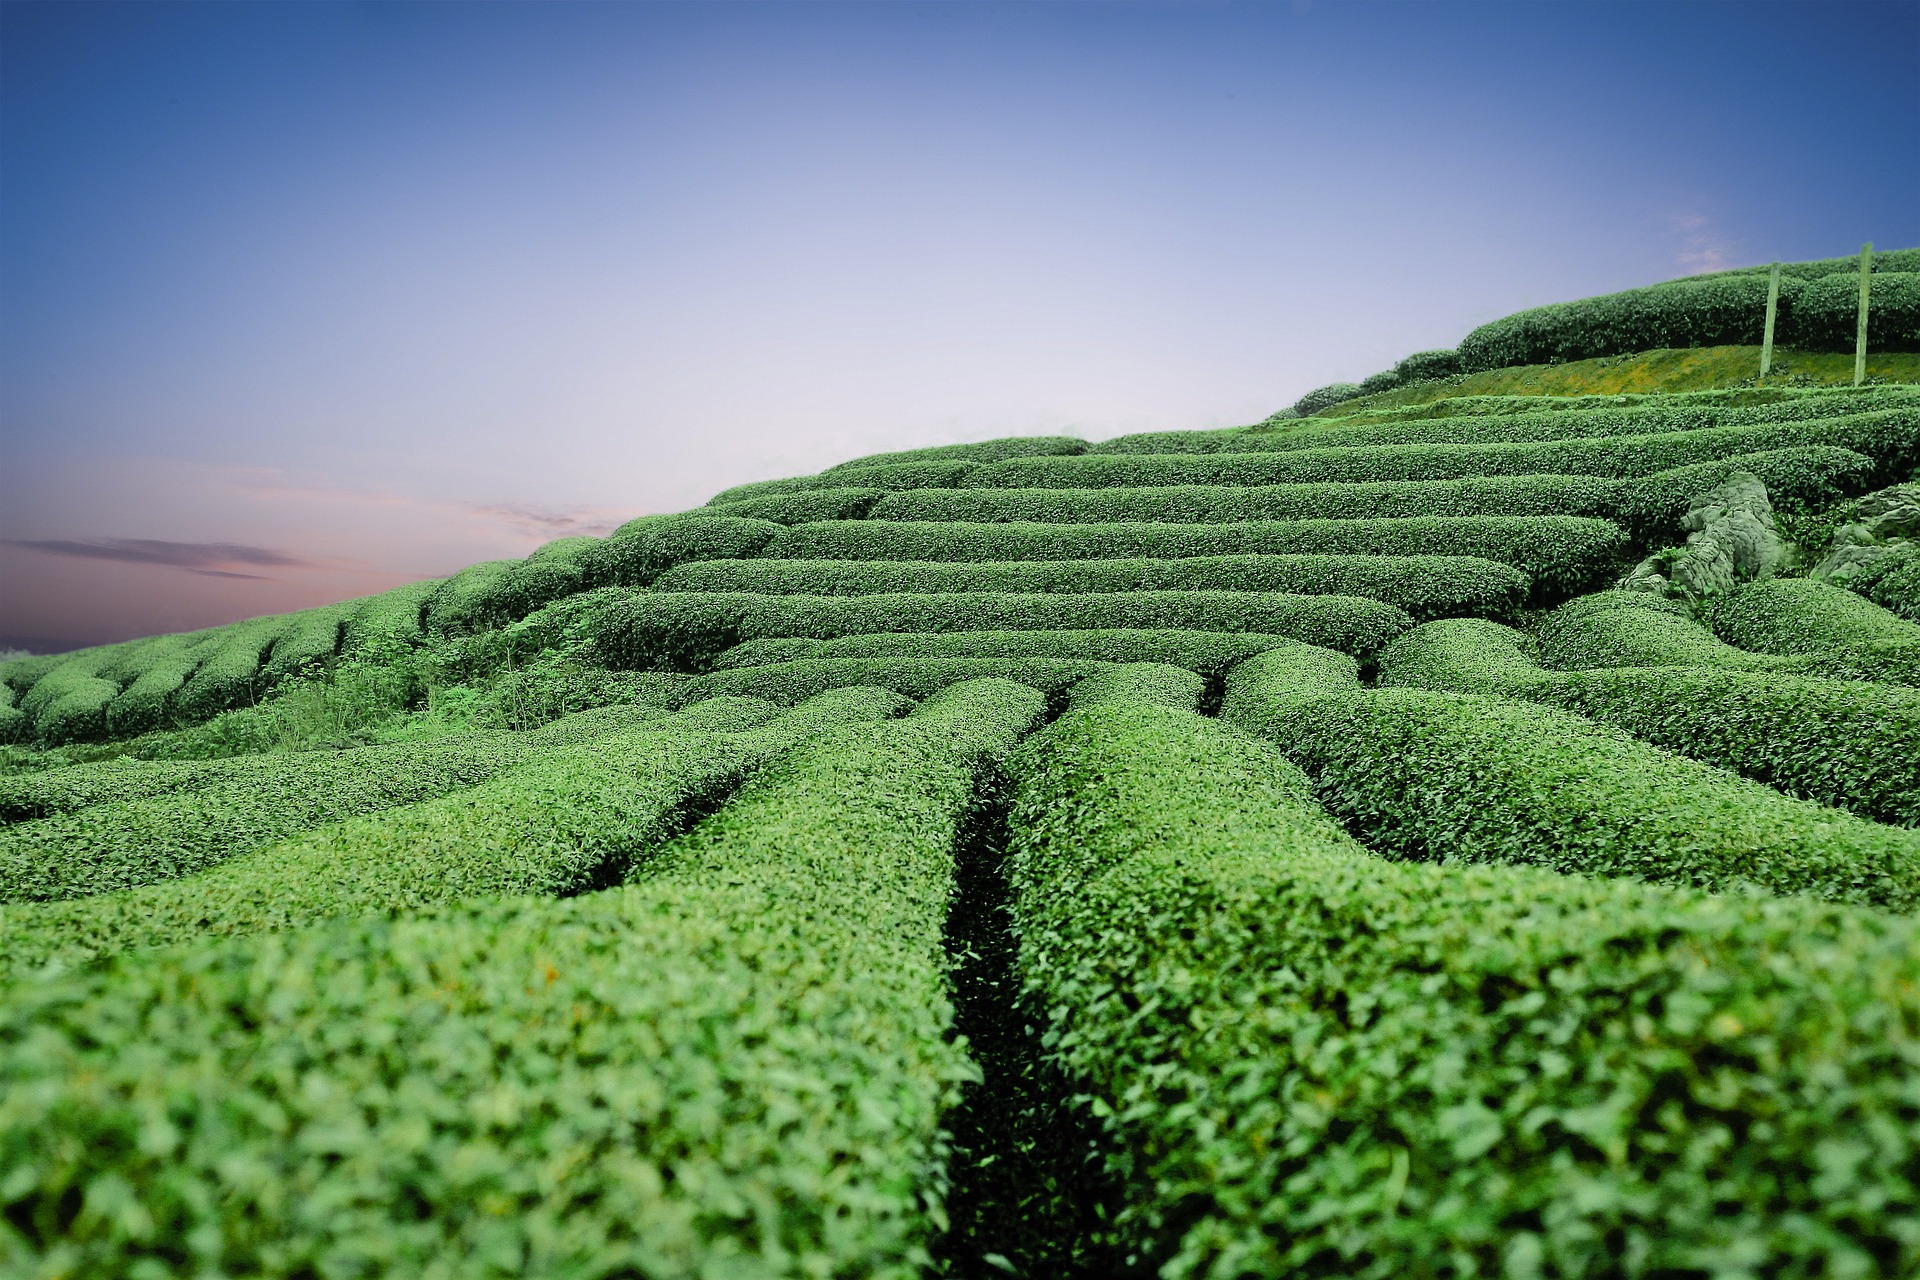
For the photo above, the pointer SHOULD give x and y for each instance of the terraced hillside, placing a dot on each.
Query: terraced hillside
(1475, 835)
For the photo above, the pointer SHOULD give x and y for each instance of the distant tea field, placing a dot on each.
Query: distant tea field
(1464, 826)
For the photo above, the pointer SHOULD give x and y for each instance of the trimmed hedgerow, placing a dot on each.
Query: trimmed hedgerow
(1218, 504)
(258, 800)
(1648, 417)
(69, 703)
(229, 676)
(787, 683)
(1615, 629)
(798, 508)
(1556, 551)
(644, 549)
(1803, 615)
(1891, 437)
(1469, 778)
(47, 792)
(553, 687)
(686, 631)
(1310, 1061)
(888, 476)
(1324, 397)
(1845, 743)
(614, 1083)
(1425, 586)
(1155, 683)
(395, 614)
(1845, 400)
(572, 819)
(1712, 311)
(1817, 313)
(1811, 477)
(143, 704)
(1826, 312)
(21, 674)
(1620, 629)
(310, 636)
(13, 722)
(980, 451)
(1892, 581)
(1209, 653)
(469, 600)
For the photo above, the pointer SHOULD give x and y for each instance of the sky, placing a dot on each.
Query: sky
(302, 301)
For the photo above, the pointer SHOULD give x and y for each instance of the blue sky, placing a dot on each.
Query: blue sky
(300, 301)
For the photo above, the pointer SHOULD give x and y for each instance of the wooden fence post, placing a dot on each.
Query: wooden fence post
(1860, 336)
(1773, 308)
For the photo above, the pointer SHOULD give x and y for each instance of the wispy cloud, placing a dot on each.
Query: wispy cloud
(208, 559)
(1703, 247)
(531, 519)
(553, 522)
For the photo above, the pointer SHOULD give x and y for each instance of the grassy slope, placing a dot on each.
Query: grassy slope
(1693, 369)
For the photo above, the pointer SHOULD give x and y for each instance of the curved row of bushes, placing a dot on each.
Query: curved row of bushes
(1426, 586)
(739, 1062)
(1623, 629)
(1803, 615)
(1207, 653)
(1307, 1060)
(1471, 778)
(677, 631)
(572, 818)
(1816, 314)
(1555, 551)
(257, 800)
(1846, 743)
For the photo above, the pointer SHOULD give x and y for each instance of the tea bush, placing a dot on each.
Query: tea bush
(798, 508)
(611, 788)
(982, 451)
(1307, 1060)
(887, 476)
(1209, 653)
(1801, 615)
(1425, 586)
(684, 631)
(1470, 778)
(1667, 413)
(645, 549)
(1555, 550)
(255, 801)
(1840, 742)
(1612, 629)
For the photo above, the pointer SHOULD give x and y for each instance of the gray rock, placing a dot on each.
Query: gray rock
(1888, 519)
(1731, 538)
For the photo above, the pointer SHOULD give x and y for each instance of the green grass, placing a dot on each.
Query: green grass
(1660, 372)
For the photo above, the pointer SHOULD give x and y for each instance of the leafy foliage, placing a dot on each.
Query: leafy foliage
(695, 1072)
(1425, 586)
(1551, 549)
(253, 801)
(1310, 1061)
(685, 631)
(1839, 742)
(604, 791)
(1471, 778)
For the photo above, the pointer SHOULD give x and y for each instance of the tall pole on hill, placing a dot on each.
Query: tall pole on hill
(1860, 335)
(1773, 308)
